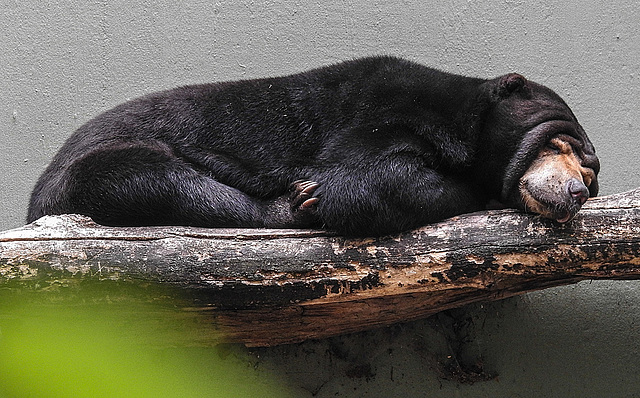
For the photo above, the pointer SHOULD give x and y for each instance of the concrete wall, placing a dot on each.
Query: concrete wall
(63, 62)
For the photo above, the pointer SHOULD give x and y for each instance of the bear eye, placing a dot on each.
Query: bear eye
(554, 146)
(558, 146)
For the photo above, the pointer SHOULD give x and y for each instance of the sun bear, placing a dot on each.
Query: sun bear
(371, 146)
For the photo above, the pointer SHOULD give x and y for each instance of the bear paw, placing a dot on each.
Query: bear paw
(302, 198)
(303, 203)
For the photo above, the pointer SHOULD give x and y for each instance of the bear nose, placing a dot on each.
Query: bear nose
(578, 191)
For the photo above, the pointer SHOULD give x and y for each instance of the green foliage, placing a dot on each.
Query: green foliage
(107, 345)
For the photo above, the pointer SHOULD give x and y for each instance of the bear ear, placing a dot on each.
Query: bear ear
(510, 83)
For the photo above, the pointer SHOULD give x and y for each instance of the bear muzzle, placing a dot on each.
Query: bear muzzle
(556, 185)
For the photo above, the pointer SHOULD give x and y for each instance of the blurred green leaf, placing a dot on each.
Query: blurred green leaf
(54, 344)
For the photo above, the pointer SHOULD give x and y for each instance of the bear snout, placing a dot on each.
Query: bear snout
(578, 192)
(560, 205)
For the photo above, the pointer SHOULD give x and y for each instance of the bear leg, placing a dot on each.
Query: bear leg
(143, 184)
(389, 197)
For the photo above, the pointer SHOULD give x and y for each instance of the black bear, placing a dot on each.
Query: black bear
(370, 146)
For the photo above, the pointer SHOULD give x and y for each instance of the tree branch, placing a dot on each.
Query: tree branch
(267, 287)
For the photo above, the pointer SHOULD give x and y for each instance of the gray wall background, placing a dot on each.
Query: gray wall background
(63, 62)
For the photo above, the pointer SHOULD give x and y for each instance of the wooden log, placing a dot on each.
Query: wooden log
(266, 287)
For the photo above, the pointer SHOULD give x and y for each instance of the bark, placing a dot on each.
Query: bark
(267, 286)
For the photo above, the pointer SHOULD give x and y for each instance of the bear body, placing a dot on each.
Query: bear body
(366, 147)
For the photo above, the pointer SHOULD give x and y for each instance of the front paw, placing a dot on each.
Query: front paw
(302, 198)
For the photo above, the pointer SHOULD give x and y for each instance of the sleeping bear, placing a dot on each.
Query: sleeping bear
(371, 146)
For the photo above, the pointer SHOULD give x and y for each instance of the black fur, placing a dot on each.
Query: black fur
(391, 144)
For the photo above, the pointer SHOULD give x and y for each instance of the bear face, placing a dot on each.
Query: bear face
(558, 183)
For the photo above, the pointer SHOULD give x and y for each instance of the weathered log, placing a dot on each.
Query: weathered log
(267, 287)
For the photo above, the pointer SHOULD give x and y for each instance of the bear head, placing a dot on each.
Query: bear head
(534, 142)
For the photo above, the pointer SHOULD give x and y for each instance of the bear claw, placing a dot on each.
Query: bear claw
(302, 197)
(309, 203)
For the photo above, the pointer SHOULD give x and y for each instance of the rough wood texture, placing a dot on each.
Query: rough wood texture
(267, 287)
